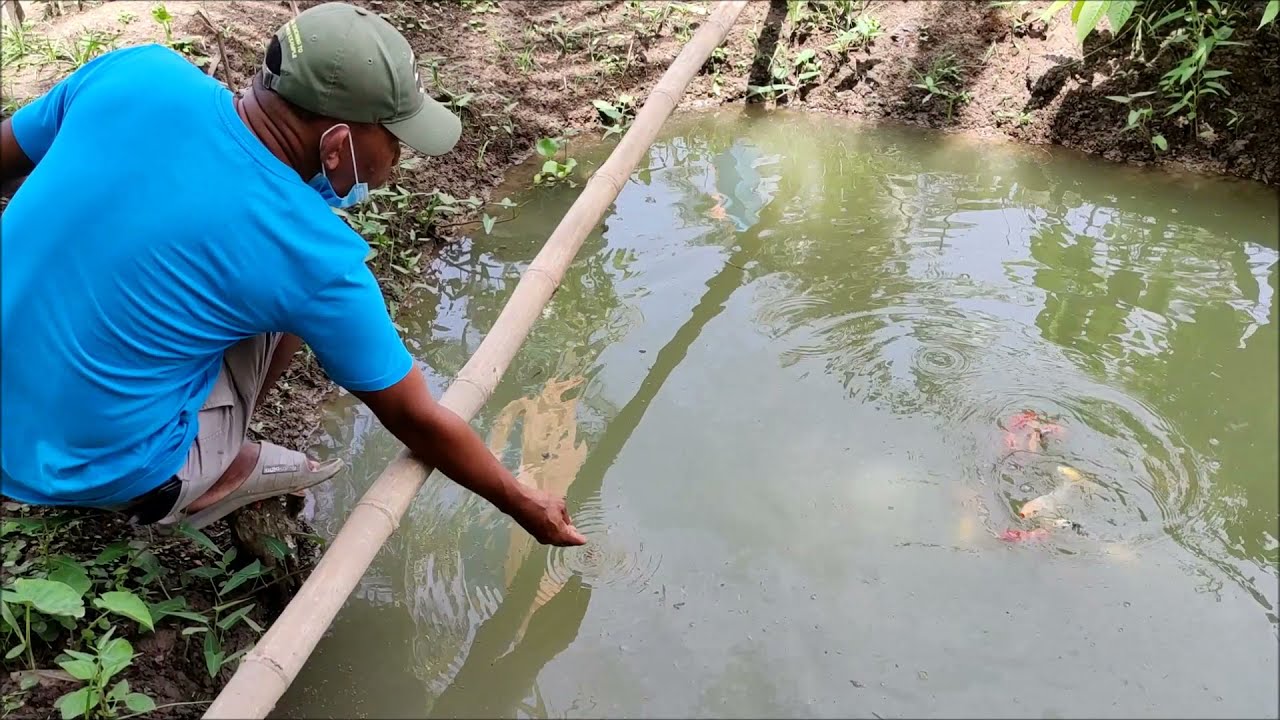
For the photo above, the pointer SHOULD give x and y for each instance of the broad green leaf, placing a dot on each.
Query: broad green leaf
(139, 703)
(1269, 15)
(486, 221)
(198, 537)
(1076, 8)
(208, 573)
(15, 651)
(547, 147)
(235, 617)
(126, 604)
(111, 553)
(607, 109)
(1120, 99)
(550, 167)
(1211, 74)
(212, 654)
(115, 657)
(1119, 12)
(78, 655)
(193, 630)
(1160, 142)
(1090, 14)
(79, 669)
(278, 548)
(69, 572)
(5, 613)
(77, 703)
(49, 597)
(242, 576)
(120, 690)
(805, 55)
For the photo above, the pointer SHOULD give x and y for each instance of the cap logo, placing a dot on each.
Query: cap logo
(293, 38)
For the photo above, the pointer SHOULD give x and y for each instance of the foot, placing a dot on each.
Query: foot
(278, 471)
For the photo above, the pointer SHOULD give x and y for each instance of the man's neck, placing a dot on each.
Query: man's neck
(285, 139)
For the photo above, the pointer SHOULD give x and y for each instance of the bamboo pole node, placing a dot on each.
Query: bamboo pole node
(381, 508)
(614, 181)
(267, 672)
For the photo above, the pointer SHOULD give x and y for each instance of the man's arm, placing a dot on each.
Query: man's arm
(446, 442)
(14, 163)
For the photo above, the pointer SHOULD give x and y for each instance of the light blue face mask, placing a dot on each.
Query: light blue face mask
(320, 183)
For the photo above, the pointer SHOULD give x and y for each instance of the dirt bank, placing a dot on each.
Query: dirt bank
(520, 71)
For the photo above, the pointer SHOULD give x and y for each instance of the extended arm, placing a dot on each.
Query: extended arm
(446, 442)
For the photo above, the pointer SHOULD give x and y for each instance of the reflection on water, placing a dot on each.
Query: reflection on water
(800, 389)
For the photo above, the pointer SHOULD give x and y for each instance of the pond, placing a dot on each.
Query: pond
(860, 421)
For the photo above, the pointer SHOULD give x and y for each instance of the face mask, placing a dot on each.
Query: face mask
(320, 183)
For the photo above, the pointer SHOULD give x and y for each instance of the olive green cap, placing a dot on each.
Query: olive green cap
(347, 63)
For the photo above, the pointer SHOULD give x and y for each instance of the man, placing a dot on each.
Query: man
(172, 245)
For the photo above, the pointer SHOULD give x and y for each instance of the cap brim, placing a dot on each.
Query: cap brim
(433, 130)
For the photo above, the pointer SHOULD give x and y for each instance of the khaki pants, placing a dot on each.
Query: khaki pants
(224, 419)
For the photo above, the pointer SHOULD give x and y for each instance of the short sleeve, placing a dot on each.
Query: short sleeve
(36, 124)
(347, 326)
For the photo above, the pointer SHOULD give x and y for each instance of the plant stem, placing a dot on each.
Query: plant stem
(31, 658)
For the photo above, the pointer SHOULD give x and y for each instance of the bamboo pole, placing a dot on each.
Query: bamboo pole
(275, 661)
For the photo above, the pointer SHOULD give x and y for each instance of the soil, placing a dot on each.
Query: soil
(532, 70)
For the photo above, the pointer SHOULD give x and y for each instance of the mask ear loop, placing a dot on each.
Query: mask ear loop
(351, 142)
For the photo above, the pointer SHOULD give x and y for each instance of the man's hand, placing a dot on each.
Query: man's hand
(545, 517)
(446, 442)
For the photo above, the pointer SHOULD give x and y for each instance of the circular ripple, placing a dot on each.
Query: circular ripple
(940, 361)
(1135, 480)
(608, 559)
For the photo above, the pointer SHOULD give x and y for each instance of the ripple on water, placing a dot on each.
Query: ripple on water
(1137, 481)
(606, 559)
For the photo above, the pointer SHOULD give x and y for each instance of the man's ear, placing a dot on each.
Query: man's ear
(334, 147)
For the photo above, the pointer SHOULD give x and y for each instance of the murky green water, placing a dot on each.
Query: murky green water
(782, 389)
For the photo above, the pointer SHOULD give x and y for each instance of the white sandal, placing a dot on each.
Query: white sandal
(279, 471)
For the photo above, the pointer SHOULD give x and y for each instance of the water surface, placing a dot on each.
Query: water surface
(781, 388)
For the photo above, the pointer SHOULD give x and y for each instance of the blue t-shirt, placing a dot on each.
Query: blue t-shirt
(155, 232)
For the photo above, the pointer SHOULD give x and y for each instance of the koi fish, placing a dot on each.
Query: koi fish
(1016, 535)
(1048, 503)
(1028, 424)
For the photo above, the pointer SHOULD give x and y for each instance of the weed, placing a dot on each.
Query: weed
(942, 79)
(864, 32)
(1020, 118)
(161, 15)
(558, 34)
(779, 74)
(18, 43)
(525, 62)
(1140, 116)
(616, 116)
(110, 656)
(553, 170)
(126, 18)
(80, 50)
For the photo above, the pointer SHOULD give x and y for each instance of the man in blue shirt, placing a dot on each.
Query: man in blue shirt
(172, 245)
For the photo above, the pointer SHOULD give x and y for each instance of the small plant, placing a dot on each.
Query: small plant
(807, 67)
(779, 76)
(110, 656)
(553, 170)
(227, 612)
(559, 35)
(84, 48)
(1020, 118)
(942, 80)
(1140, 116)
(616, 116)
(161, 15)
(18, 43)
(525, 62)
(126, 18)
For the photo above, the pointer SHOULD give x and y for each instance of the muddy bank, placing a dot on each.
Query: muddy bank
(520, 71)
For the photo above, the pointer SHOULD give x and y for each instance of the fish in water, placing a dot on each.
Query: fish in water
(1028, 431)
(1047, 504)
(1016, 535)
